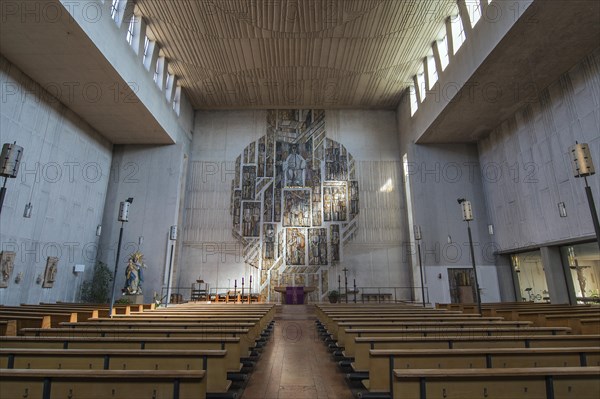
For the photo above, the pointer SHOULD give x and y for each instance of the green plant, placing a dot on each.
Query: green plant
(333, 296)
(96, 289)
(123, 301)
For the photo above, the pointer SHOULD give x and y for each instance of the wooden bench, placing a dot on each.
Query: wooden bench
(442, 330)
(246, 342)
(364, 344)
(26, 321)
(211, 361)
(387, 325)
(334, 326)
(102, 384)
(383, 362)
(230, 344)
(522, 383)
(8, 327)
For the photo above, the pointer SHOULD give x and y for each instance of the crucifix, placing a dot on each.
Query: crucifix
(345, 283)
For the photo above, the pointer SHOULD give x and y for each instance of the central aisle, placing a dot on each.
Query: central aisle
(296, 364)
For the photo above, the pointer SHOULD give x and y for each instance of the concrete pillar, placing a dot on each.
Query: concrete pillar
(450, 39)
(508, 282)
(417, 91)
(465, 18)
(139, 34)
(437, 58)
(555, 275)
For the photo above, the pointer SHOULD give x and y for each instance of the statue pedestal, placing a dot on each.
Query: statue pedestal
(134, 299)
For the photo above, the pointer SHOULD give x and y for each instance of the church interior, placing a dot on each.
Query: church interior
(273, 199)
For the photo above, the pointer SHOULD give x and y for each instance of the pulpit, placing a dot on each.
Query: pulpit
(294, 295)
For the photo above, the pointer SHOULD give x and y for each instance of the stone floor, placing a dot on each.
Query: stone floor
(295, 364)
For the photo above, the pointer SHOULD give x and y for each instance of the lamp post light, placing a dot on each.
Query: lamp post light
(418, 237)
(123, 217)
(172, 238)
(467, 213)
(9, 165)
(584, 167)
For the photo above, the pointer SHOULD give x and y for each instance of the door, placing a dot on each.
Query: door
(462, 287)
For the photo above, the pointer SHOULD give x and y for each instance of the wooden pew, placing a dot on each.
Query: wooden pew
(364, 344)
(389, 325)
(442, 330)
(27, 321)
(522, 383)
(246, 343)
(102, 384)
(383, 362)
(334, 326)
(230, 344)
(8, 327)
(211, 361)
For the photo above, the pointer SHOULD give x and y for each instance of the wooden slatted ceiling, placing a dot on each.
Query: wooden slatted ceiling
(295, 53)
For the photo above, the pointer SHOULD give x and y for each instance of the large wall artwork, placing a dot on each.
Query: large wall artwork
(294, 200)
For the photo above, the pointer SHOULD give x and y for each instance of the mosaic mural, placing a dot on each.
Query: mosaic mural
(294, 201)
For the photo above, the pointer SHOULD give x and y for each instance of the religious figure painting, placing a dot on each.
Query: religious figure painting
(7, 264)
(353, 187)
(50, 272)
(268, 204)
(237, 209)
(251, 219)
(261, 157)
(296, 208)
(334, 202)
(248, 182)
(317, 246)
(335, 242)
(269, 240)
(238, 170)
(294, 194)
(336, 162)
(295, 247)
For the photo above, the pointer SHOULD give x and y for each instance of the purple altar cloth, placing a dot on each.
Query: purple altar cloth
(294, 295)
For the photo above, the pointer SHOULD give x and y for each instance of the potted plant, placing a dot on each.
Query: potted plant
(333, 296)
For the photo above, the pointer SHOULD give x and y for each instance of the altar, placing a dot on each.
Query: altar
(294, 295)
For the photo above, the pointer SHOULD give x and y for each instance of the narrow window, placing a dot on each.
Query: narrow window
(431, 71)
(443, 49)
(414, 105)
(130, 30)
(458, 32)
(474, 10)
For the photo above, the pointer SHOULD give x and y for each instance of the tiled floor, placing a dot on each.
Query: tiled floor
(295, 364)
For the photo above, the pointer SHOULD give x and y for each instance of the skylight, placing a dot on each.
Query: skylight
(421, 83)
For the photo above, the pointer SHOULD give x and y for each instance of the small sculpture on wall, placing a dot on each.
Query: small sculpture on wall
(50, 272)
(7, 264)
(134, 276)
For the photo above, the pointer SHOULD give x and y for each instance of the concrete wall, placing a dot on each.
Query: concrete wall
(153, 176)
(438, 175)
(64, 173)
(94, 18)
(373, 257)
(528, 165)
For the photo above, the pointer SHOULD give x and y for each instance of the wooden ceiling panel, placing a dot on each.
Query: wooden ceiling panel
(295, 53)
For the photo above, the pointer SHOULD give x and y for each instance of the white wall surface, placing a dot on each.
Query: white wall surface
(67, 191)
